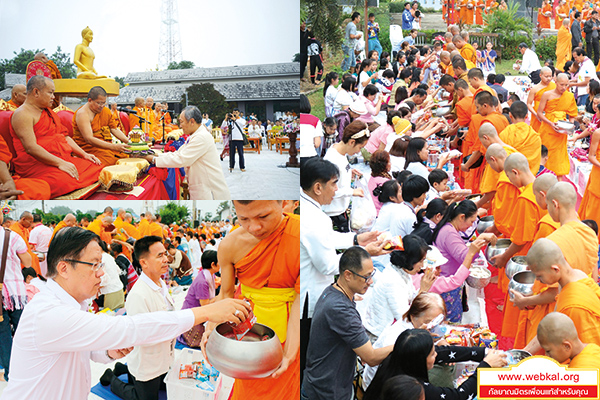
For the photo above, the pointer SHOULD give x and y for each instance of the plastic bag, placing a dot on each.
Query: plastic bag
(363, 213)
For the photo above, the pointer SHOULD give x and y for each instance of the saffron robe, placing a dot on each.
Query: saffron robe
(579, 245)
(556, 110)
(590, 204)
(535, 123)
(24, 233)
(563, 47)
(270, 278)
(580, 301)
(502, 209)
(35, 189)
(543, 20)
(102, 123)
(467, 51)
(57, 228)
(526, 141)
(589, 357)
(51, 135)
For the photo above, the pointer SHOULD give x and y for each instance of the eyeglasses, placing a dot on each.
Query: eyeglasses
(95, 266)
(366, 278)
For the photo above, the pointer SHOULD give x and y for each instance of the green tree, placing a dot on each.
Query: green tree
(181, 65)
(208, 216)
(222, 206)
(121, 81)
(296, 57)
(325, 18)
(48, 217)
(171, 212)
(65, 65)
(60, 210)
(208, 100)
(79, 215)
(511, 28)
(16, 65)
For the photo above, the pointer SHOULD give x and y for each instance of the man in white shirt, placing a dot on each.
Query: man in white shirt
(57, 336)
(13, 289)
(147, 364)
(531, 63)
(587, 72)
(39, 239)
(195, 250)
(235, 127)
(319, 242)
(199, 157)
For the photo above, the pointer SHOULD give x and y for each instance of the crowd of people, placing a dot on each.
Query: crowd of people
(112, 263)
(412, 154)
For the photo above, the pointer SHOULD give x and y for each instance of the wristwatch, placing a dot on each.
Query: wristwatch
(356, 240)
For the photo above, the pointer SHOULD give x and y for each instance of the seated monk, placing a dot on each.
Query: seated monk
(54, 71)
(44, 151)
(115, 113)
(555, 105)
(94, 126)
(151, 125)
(15, 188)
(17, 97)
(578, 296)
(559, 339)
(134, 120)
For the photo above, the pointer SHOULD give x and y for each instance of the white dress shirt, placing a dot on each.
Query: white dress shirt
(342, 197)
(530, 62)
(148, 361)
(40, 236)
(318, 259)
(202, 167)
(57, 337)
(111, 282)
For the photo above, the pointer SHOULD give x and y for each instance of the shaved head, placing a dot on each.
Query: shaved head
(516, 161)
(451, 47)
(454, 30)
(18, 89)
(445, 56)
(70, 220)
(497, 151)
(562, 78)
(120, 212)
(487, 129)
(544, 254)
(556, 327)
(457, 40)
(544, 182)
(38, 82)
(564, 193)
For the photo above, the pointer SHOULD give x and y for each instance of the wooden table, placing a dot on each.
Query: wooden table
(280, 144)
(257, 147)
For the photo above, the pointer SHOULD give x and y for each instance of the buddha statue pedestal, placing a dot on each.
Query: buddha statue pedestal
(81, 87)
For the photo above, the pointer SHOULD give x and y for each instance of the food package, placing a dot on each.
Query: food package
(483, 337)
(209, 387)
(434, 258)
(395, 242)
(118, 178)
(363, 214)
(240, 330)
(186, 371)
(141, 164)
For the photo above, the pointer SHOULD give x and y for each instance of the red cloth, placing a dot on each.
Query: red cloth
(66, 118)
(125, 121)
(153, 190)
(50, 134)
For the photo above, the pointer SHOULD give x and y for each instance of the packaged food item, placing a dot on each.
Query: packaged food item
(186, 371)
(209, 387)
(240, 330)
(395, 242)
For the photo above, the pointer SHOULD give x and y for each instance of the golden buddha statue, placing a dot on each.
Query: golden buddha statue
(84, 57)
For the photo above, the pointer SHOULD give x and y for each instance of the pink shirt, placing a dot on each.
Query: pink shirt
(370, 106)
(444, 284)
(379, 135)
(373, 182)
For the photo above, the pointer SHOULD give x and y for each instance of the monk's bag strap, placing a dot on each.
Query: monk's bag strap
(3, 267)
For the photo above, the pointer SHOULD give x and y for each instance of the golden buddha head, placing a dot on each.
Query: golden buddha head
(87, 34)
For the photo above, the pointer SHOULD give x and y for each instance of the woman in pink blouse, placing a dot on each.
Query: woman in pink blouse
(372, 101)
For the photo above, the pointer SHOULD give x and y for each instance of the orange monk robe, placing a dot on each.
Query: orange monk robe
(462, 17)
(97, 227)
(272, 290)
(558, 156)
(479, 12)
(102, 123)
(148, 114)
(580, 301)
(578, 5)
(489, 178)
(34, 189)
(133, 118)
(526, 141)
(470, 144)
(585, 15)
(12, 105)
(154, 229)
(156, 130)
(470, 11)
(24, 233)
(51, 135)
(468, 53)
(560, 10)
(117, 118)
(131, 230)
(57, 228)
(590, 205)
(527, 214)
(530, 319)
(502, 210)
(588, 358)
(536, 123)
(54, 71)
(563, 47)
(543, 20)
(144, 227)
(119, 224)
(579, 245)
(482, 88)
(450, 70)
